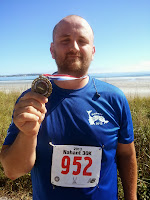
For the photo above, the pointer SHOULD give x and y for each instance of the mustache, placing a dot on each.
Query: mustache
(73, 54)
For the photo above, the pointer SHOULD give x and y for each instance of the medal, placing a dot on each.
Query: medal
(42, 85)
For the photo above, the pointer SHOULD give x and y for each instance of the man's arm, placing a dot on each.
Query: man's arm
(19, 158)
(127, 166)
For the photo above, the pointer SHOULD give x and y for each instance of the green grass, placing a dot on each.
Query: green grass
(140, 111)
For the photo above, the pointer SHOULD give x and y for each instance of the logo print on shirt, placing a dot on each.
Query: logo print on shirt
(96, 118)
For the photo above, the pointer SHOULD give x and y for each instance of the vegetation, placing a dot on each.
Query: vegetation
(140, 110)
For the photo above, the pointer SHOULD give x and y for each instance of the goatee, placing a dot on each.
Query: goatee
(73, 64)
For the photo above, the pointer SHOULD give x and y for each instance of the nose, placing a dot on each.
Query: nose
(74, 46)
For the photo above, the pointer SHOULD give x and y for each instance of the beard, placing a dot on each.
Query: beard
(76, 66)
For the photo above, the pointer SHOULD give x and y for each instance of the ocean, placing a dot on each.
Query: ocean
(31, 77)
(18, 78)
(132, 84)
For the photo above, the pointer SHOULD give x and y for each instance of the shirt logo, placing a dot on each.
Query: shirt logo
(96, 118)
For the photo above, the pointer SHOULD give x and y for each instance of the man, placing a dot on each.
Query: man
(86, 121)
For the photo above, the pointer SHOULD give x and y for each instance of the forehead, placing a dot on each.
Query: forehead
(73, 26)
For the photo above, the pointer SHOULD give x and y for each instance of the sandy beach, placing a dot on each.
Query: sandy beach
(131, 86)
(14, 86)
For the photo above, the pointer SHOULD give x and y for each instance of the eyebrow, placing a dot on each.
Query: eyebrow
(64, 35)
(68, 35)
(83, 37)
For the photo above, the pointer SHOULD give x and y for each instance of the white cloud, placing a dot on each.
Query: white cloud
(143, 66)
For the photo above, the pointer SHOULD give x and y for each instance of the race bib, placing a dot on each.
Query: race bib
(76, 166)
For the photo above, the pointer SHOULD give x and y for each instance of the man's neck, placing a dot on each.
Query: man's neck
(72, 84)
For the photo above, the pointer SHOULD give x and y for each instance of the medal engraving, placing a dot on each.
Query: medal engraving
(42, 86)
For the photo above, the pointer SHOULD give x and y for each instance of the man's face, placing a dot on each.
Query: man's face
(73, 48)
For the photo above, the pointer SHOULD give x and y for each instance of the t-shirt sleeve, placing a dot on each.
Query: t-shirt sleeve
(126, 134)
(13, 131)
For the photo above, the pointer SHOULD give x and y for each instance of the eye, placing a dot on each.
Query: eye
(65, 41)
(83, 42)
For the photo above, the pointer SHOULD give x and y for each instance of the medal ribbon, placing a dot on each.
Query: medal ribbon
(63, 77)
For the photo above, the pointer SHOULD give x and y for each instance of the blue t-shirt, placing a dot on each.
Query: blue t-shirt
(71, 119)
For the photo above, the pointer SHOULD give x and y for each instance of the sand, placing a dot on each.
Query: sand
(14, 86)
(131, 86)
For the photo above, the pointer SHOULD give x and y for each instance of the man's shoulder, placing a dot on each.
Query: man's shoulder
(107, 88)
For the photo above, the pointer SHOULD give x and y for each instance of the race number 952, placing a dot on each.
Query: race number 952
(66, 162)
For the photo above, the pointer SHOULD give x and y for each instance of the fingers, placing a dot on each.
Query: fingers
(28, 114)
(35, 96)
(29, 104)
(24, 117)
(30, 110)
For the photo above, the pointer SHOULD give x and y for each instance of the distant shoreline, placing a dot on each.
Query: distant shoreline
(96, 74)
(131, 86)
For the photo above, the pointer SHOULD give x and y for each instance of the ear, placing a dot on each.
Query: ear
(52, 50)
(93, 52)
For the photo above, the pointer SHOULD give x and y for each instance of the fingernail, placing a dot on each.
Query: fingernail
(37, 118)
(42, 117)
(46, 100)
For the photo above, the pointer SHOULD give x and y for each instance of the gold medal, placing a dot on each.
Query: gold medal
(42, 86)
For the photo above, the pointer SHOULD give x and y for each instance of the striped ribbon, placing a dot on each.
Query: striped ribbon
(63, 77)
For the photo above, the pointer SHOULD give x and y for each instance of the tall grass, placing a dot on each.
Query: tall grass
(140, 110)
(8, 187)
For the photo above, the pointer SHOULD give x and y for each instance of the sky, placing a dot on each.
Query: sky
(121, 34)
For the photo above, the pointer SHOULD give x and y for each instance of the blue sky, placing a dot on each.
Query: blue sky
(121, 27)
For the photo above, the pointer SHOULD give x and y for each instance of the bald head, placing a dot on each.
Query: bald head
(72, 46)
(71, 20)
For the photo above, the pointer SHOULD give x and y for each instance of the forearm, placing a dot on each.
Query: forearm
(127, 167)
(19, 158)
